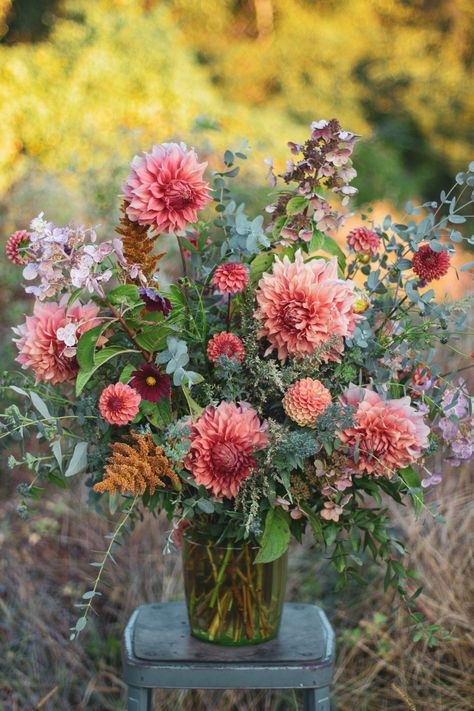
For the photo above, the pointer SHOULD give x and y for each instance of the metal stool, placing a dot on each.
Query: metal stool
(159, 653)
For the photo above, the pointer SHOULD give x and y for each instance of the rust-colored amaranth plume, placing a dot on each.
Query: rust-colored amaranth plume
(132, 468)
(138, 244)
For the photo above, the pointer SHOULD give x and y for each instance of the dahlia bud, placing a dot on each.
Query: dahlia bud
(363, 258)
(361, 304)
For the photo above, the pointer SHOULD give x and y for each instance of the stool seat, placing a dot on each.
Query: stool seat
(159, 652)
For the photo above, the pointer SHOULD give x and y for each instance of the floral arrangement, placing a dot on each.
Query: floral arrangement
(280, 385)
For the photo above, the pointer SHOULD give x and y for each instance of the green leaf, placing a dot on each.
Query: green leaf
(126, 373)
(333, 248)
(412, 480)
(18, 390)
(261, 264)
(296, 205)
(56, 449)
(275, 538)
(101, 357)
(153, 338)
(125, 294)
(74, 296)
(278, 226)
(80, 624)
(78, 461)
(40, 405)
(205, 505)
(86, 346)
(195, 410)
(317, 240)
(314, 522)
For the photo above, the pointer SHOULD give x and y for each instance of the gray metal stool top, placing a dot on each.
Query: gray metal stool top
(159, 653)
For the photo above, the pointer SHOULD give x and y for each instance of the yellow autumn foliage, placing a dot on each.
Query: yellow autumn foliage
(116, 76)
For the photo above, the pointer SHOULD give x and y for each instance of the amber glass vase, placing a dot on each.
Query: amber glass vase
(230, 599)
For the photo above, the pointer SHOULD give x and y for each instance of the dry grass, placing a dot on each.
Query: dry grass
(44, 570)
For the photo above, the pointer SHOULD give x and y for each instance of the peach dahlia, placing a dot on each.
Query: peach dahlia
(304, 305)
(224, 440)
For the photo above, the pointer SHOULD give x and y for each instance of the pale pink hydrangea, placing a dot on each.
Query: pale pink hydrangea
(46, 340)
(387, 435)
(165, 188)
(302, 306)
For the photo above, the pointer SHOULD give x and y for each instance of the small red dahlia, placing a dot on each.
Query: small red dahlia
(225, 344)
(150, 383)
(230, 278)
(15, 246)
(118, 404)
(429, 265)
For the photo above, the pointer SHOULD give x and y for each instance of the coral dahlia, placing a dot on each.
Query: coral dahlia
(223, 442)
(230, 278)
(39, 345)
(305, 401)
(151, 383)
(388, 434)
(364, 241)
(118, 404)
(303, 306)
(165, 188)
(429, 265)
(225, 344)
(15, 246)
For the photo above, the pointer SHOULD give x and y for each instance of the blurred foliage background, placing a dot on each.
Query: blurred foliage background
(84, 85)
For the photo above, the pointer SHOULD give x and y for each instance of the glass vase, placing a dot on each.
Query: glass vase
(230, 599)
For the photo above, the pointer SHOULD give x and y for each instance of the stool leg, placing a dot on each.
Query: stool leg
(139, 699)
(316, 699)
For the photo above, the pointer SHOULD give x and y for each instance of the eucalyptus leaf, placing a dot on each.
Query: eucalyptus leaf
(78, 461)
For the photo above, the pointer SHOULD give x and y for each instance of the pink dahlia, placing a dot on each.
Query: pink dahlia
(230, 278)
(302, 306)
(305, 401)
(364, 241)
(429, 265)
(118, 404)
(15, 246)
(39, 343)
(223, 442)
(388, 434)
(225, 344)
(166, 188)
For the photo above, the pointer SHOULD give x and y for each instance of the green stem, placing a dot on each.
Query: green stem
(220, 575)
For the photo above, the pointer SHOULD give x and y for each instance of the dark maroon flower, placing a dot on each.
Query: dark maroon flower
(430, 265)
(154, 301)
(151, 383)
